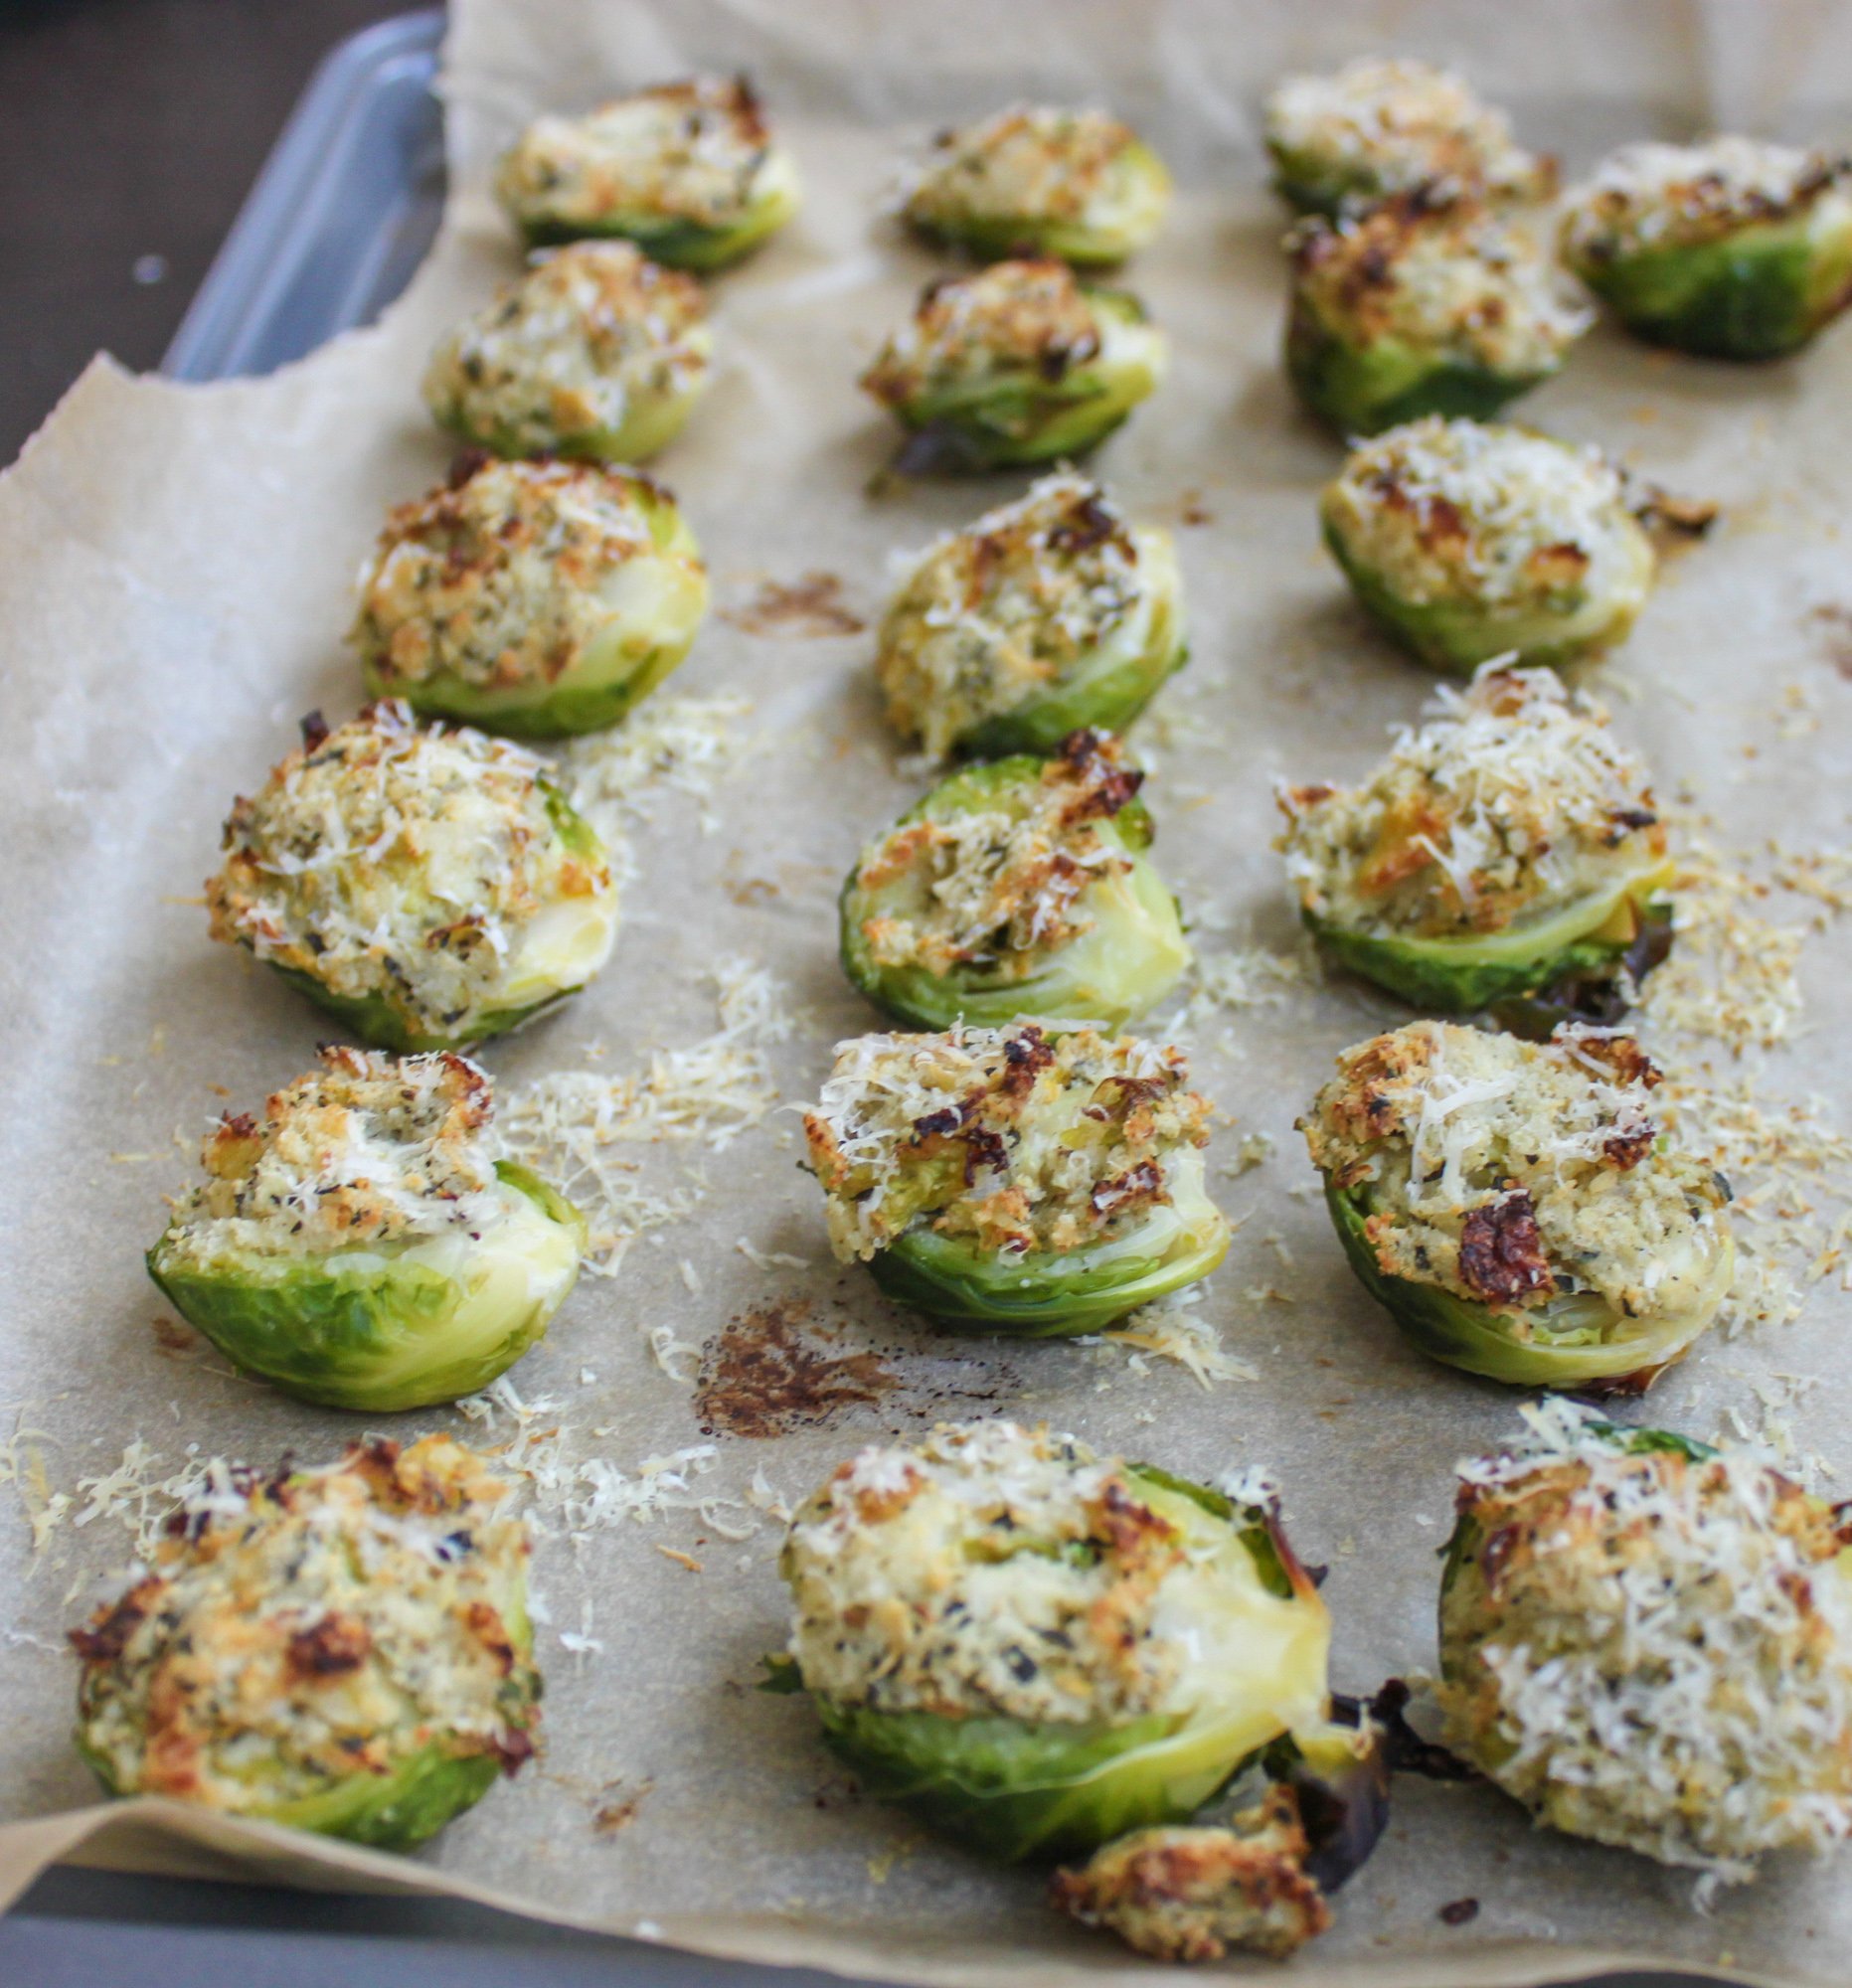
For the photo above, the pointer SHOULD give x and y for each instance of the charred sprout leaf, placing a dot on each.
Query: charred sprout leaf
(1599, 992)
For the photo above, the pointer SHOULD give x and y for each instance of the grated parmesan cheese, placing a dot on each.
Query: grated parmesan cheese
(1651, 1650)
(580, 1128)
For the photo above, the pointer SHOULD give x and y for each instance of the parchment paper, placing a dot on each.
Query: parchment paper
(172, 596)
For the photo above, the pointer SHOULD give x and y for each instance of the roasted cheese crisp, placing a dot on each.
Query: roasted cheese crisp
(1077, 184)
(689, 170)
(595, 352)
(1384, 126)
(1013, 1140)
(1650, 1643)
(1045, 614)
(431, 886)
(1512, 1174)
(345, 1649)
(1195, 1893)
(531, 595)
(1513, 803)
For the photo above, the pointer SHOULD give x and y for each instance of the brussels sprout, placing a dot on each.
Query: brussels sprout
(688, 171)
(1734, 248)
(428, 888)
(1643, 1641)
(1003, 1718)
(361, 1248)
(1424, 305)
(1514, 1209)
(596, 352)
(1379, 127)
(534, 598)
(1469, 542)
(1508, 845)
(1077, 185)
(1003, 1182)
(1018, 886)
(1046, 617)
(1016, 364)
(1191, 1894)
(344, 1650)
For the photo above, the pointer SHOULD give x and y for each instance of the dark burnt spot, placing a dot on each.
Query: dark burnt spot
(1501, 1254)
(938, 1124)
(1025, 1055)
(1403, 1749)
(1137, 1187)
(172, 1339)
(513, 1748)
(1088, 522)
(314, 729)
(1460, 1912)
(810, 606)
(984, 1149)
(770, 1370)
(333, 1647)
(464, 464)
(110, 1628)
(1632, 819)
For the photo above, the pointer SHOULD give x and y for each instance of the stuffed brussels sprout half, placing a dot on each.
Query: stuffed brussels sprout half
(1194, 1893)
(1003, 1181)
(1516, 1208)
(1467, 541)
(361, 1247)
(1034, 1649)
(1650, 1643)
(596, 352)
(1018, 886)
(688, 171)
(1508, 844)
(1043, 617)
(429, 888)
(1422, 305)
(533, 599)
(344, 1650)
(1381, 126)
(1017, 363)
(1077, 185)
(1734, 248)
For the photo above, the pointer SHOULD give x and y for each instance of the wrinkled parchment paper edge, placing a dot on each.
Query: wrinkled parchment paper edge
(170, 1839)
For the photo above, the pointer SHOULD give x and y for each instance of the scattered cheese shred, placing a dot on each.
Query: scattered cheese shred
(578, 1127)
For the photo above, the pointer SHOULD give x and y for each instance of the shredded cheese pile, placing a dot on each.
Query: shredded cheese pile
(668, 744)
(580, 1128)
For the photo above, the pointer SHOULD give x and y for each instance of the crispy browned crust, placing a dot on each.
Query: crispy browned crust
(1191, 1894)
